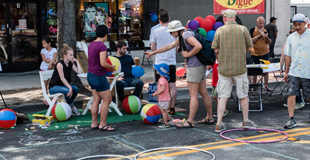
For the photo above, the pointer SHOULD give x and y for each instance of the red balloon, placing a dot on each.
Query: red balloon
(211, 18)
(198, 19)
(180, 71)
(206, 24)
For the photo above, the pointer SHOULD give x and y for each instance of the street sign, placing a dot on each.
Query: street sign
(152, 89)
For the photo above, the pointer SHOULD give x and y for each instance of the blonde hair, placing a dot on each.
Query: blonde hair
(65, 49)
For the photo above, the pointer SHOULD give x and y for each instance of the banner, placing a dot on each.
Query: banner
(240, 6)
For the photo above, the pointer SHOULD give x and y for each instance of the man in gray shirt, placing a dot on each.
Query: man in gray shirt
(273, 32)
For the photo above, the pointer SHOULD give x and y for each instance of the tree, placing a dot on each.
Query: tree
(66, 24)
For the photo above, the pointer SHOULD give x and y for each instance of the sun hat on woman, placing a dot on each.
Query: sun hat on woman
(175, 25)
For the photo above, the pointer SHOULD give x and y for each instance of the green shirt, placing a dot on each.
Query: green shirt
(232, 40)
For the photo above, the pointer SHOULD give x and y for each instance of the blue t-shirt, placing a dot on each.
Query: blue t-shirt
(126, 63)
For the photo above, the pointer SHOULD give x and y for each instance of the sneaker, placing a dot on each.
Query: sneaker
(225, 113)
(248, 124)
(220, 128)
(75, 112)
(291, 123)
(285, 105)
(299, 105)
(164, 126)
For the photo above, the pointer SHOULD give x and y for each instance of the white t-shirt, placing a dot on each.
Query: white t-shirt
(152, 31)
(49, 56)
(162, 38)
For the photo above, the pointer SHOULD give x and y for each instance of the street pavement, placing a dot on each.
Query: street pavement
(130, 138)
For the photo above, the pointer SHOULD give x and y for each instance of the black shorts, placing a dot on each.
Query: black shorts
(295, 84)
(172, 75)
(256, 58)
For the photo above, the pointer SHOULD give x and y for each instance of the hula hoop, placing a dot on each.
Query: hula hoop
(257, 129)
(165, 148)
(102, 156)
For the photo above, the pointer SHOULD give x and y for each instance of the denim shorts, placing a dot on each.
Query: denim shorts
(98, 83)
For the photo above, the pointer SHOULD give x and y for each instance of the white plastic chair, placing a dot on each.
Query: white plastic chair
(50, 98)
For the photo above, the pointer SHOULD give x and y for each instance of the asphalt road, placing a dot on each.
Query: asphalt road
(133, 137)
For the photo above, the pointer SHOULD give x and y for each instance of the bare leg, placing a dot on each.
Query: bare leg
(266, 77)
(220, 110)
(245, 108)
(291, 101)
(173, 93)
(95, 108)
(165, 115)
(107, 98)
(206, 99)
(193, 106)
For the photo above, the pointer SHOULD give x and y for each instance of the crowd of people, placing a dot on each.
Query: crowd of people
(231, 44)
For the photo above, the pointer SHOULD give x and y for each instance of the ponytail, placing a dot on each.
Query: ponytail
(65, 49)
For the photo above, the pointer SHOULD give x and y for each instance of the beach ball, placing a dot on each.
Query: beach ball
(211, 18)
(180, 71)
(206, 24)
(193, 24)
(198, 19)
(7, 118)
(210, 35)
(115, 61)
(137, 71)
(217, 25)
(132, 104)
(61, 111)
(202, 31)
(150, 113)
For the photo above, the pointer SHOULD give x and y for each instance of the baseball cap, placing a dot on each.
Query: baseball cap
(273, 18)
(229, 13)
(175, 25)
(299, 18)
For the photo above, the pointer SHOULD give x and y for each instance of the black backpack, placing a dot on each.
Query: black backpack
(206, 55)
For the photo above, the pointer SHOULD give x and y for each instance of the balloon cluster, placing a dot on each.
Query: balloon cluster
(206, 27)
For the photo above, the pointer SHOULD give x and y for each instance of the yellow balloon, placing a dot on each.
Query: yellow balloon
(115, 61)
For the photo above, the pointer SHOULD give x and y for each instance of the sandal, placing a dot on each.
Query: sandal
(94, 128)
(107, 128)
(207, 121)
(182, 125)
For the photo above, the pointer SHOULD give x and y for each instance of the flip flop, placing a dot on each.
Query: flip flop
(94, 128)
(206, 121)
(182, 125)
(107, 128)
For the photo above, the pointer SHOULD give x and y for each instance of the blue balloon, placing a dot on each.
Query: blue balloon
(210, 35)
(137, 71)
(153, 17)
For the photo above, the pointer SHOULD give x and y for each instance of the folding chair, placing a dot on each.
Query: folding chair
(147, 46)
(50, 98)
(255, 71)
(279, 78)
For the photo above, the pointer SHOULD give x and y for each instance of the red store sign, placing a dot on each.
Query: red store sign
(240, 6)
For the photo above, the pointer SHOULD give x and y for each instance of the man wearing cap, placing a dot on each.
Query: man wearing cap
(273, 33)
(160, 38)
(297, 65)
(230, 44)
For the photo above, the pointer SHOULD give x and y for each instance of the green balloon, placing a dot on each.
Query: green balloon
(203, 32)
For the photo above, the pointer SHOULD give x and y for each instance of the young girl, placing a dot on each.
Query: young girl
(49, 55)
(163, 92)
(96, 77)
(61, 78)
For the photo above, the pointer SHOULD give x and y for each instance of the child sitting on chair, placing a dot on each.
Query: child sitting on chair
(163, 92)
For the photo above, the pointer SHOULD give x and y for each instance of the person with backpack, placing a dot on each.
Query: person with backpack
(189, 46)
(231, 43)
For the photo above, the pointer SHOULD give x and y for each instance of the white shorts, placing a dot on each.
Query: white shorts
(164, 104)
(225, 84)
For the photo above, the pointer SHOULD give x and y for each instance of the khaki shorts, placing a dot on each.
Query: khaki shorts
(164, 104)
(225, 84)
(196, 74)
